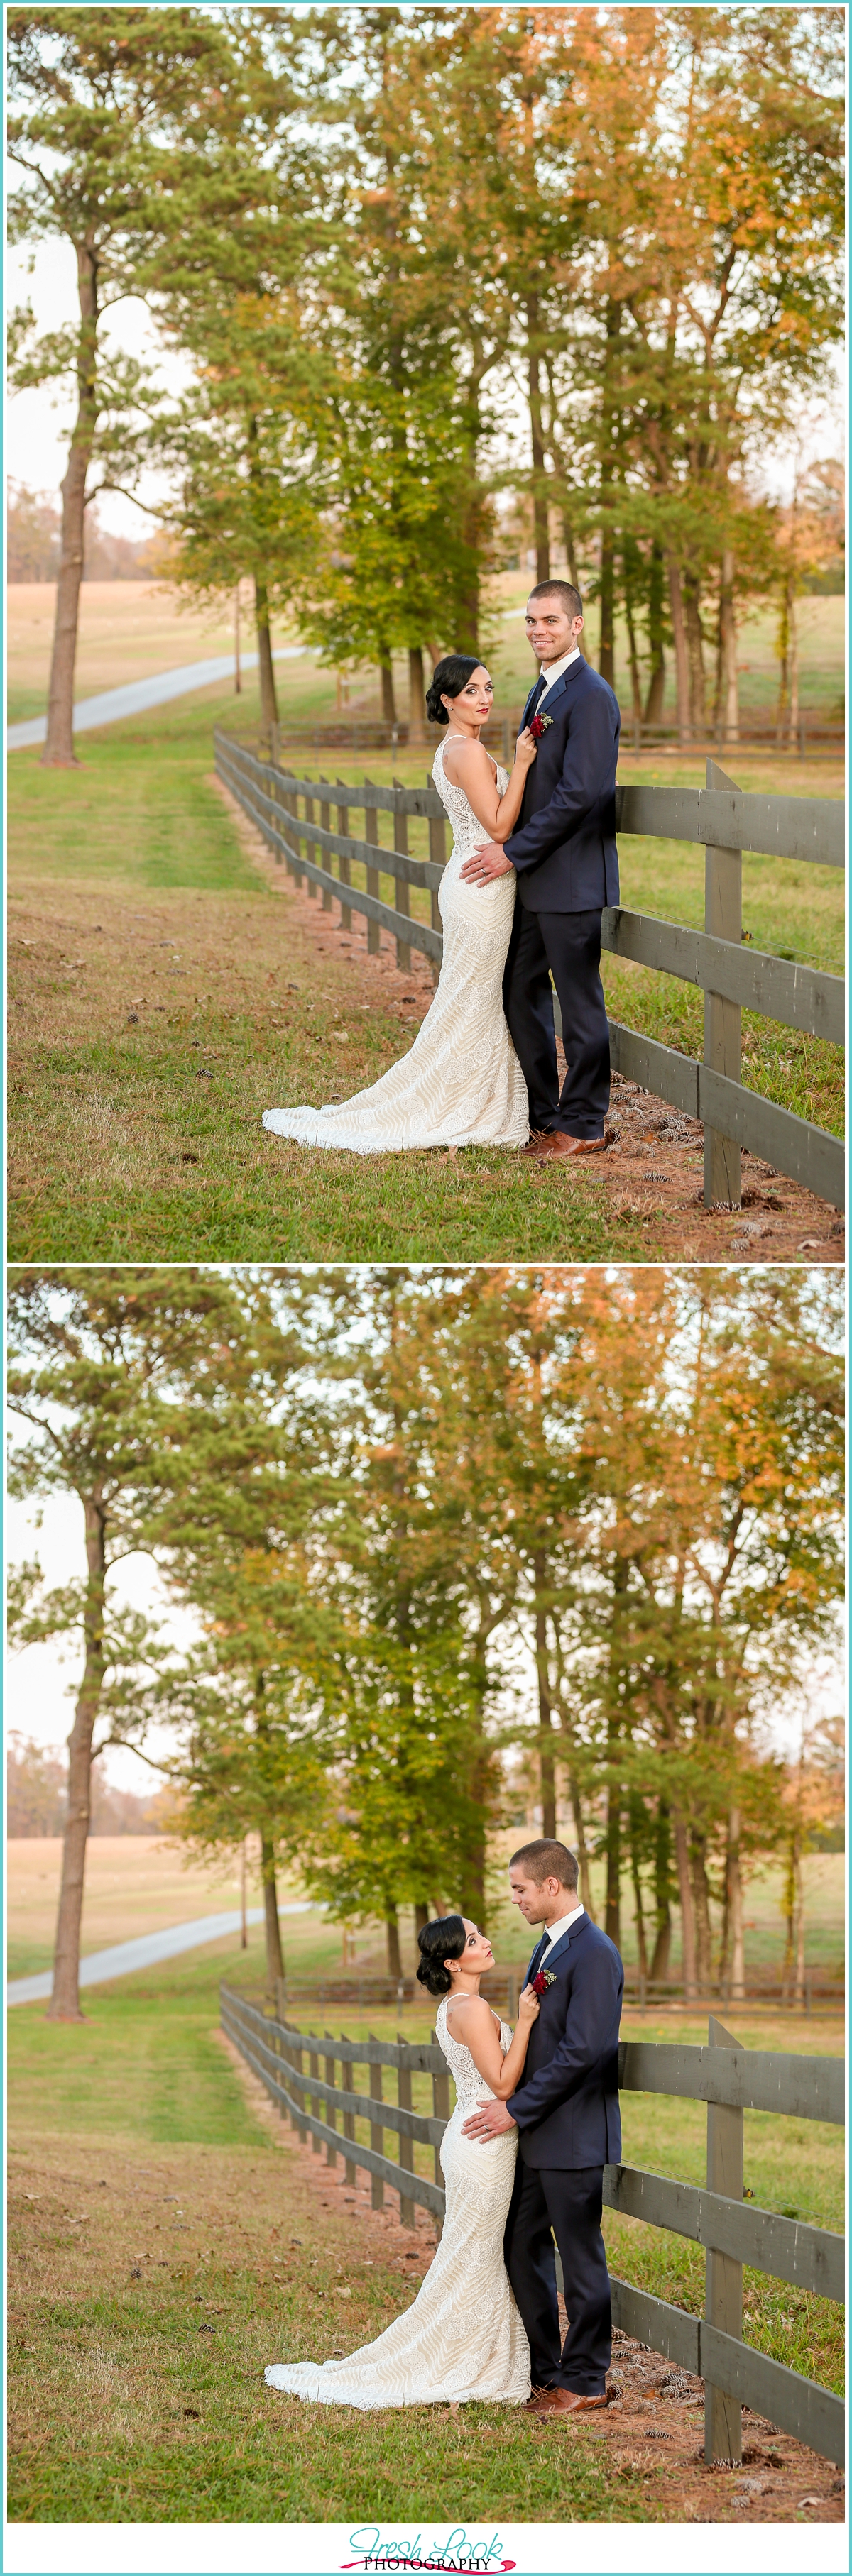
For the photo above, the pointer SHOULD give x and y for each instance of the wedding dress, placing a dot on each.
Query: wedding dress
(460, 1083)
(463, 2337)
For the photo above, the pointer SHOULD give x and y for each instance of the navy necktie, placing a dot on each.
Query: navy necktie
(538, 1955)
(538, 693)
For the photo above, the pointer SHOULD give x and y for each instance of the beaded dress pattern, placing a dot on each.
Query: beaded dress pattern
(463, 2338)
(460, 1083)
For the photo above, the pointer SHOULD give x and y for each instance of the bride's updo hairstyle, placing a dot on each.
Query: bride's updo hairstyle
(451, 676)
(446, 1938)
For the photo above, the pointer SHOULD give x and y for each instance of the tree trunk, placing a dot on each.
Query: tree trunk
(65, 1999)
(800, 1928)
(662, 1895)
(388, 705)
(416, 696)
(541, 529)
(268, 699)
(421, 1917)
(729, 694)
(582, 1846)
(274, 1952)
(735, 1909)
(783, 644)
(635, 682)
(686, 1913)
(790, 1886)
(637, 1818)
(695, 650)
(59, 751)
(793, 657)
(613, 1866)
(392, 1937)
(547, 1750)
(701, 1901)
(657, 682)
(608, 479)
(680, 651)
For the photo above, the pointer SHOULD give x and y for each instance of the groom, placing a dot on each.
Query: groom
(566, 2109)
(565, 856)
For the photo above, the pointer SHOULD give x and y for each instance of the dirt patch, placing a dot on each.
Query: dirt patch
(655, 2421)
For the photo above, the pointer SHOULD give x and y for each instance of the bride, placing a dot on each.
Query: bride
(463, 2337)
(461, 1083)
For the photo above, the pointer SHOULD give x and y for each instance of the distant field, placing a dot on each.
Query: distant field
(135, 1884)
(130, 629)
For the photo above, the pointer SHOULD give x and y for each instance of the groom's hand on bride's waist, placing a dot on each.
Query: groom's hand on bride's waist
(488, 2122)
(490, 861)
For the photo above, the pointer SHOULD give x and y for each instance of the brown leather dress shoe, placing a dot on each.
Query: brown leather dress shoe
(555, 1142)
(565, 2401)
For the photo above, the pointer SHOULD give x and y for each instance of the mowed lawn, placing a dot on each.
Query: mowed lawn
(166, 986)
(167, 2239)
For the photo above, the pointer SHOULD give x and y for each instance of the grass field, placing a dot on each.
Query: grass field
(167, 983)
(168, 2237)
(129, 629)
(136, 1883)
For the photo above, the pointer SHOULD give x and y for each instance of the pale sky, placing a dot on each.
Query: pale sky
(36, 449)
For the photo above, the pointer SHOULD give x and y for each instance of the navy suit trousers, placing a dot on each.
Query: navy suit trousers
(569, 943)
(566, 2205)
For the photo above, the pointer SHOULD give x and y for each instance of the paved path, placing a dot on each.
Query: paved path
(136, 695)
(143, 1953)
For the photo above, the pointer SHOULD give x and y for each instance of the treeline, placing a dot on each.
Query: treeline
(448, 281)
(34, 544)
(429, 1526)
(37, 1798)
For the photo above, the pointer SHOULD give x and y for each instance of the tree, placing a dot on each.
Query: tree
(97, 1361)
(93, 94)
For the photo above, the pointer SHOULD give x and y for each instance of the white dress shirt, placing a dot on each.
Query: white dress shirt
(555, 1930)
(552, 671)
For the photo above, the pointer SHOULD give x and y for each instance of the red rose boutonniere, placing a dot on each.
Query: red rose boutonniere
(539, 725)
(546, 1977)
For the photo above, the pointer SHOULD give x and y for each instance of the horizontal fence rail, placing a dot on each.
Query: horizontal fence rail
(734, 977)
(728, 2078)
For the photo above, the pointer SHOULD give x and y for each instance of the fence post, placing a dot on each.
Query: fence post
(310, 846)
(371, 833)
(349, 2170)
(723, 2431)
(377, 2136)
(313, 2062)
(406, 2145)
(325, 819)
(401, 887)
(298, 2063)
(438, 855)
(345, 864)
(298, 872)
(440, 2111)
(723, 917)
(330, 2113)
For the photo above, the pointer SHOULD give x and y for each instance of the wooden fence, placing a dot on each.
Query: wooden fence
(732, 974)
(730, 2079)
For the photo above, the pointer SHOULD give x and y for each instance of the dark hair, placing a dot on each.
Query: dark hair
(438, 1941)
(452, 675)
(565, 590)
(547, 1859)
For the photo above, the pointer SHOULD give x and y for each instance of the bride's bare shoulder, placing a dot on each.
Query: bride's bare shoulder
(465, 761)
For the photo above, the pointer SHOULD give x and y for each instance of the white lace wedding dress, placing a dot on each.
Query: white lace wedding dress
(463, 2338)
(460, 1083)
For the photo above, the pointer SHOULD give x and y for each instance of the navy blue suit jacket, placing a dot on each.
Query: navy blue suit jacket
(566, 2104)
(564, 847)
